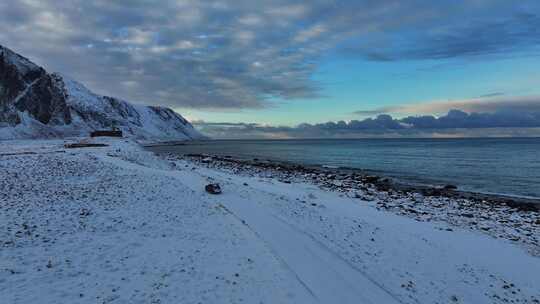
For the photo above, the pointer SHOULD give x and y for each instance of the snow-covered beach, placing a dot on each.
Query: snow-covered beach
(119, 224)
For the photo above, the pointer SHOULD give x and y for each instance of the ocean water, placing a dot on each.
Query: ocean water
(508, 166)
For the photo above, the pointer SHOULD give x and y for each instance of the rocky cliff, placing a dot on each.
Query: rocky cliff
(38, 104)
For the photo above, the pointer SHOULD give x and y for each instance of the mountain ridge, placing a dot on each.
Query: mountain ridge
(37, 104)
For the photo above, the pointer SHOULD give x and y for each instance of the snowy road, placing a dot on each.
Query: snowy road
(326, 276)
(119, 225)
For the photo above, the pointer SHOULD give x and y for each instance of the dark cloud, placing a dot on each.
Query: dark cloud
(460, 119)
(454, 122)
(381, 110)
(494, 94)
(241, 54)
(515, 34)
(490, 103)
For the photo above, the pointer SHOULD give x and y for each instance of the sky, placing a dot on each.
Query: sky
(279, 69)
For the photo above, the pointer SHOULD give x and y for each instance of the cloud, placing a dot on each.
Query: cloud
(494, 94)
(460, 119)
(377, 111)
(518, 33)
(491, 103)
(455, 123)
(243, 54)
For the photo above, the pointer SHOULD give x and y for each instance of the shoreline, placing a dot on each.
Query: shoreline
(114, 222)
(380, 181)
(502, 217)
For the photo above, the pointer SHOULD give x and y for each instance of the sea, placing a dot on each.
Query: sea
(508, 166)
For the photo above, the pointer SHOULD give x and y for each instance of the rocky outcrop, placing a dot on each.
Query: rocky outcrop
(35, 104)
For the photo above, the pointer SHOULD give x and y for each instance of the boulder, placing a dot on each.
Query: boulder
(213, 188)
(450, 187)
(371, 179)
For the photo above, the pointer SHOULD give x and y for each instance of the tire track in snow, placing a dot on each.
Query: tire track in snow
(337, 256)
(325, 273)
(274, 253)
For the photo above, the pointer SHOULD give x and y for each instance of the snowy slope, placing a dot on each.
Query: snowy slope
(36, 104)
(120, 225)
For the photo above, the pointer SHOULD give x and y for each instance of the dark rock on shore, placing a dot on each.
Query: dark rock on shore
(371, 179)
(213, 188)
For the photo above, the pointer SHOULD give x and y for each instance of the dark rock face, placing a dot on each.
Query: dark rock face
(13, 79)
(25, 87)
(45, 100)
(12, 83)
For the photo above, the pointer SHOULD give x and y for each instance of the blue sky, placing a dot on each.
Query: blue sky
(349, 85)
(283, 63)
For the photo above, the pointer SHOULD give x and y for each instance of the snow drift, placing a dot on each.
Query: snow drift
(38, 104)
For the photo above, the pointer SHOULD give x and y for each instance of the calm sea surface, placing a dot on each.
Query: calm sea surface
(503, 166)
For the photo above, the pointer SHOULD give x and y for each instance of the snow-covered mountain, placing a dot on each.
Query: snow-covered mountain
(38, 104)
